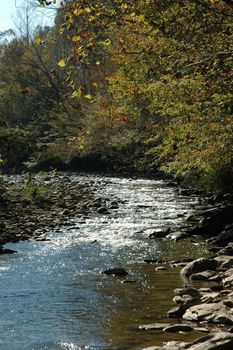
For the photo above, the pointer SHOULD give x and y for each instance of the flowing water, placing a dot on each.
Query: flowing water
(53, 294)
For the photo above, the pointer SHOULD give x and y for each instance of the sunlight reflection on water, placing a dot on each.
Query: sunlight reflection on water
(53, 294)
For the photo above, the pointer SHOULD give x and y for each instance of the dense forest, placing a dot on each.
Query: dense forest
(140, 85)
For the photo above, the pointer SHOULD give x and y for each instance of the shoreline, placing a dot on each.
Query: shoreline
(206, 309)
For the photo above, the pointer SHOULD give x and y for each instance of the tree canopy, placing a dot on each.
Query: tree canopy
(147, 84)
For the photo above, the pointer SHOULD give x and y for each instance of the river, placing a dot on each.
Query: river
(53, 294)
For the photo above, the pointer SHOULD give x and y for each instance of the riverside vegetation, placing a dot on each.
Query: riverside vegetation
(139, 85)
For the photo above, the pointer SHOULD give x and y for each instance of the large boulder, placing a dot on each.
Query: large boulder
(199, 265)
(211, 313)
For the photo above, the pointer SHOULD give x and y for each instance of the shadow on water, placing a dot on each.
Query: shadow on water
(54, 296)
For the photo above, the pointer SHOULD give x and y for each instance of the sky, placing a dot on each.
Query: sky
(8, 9)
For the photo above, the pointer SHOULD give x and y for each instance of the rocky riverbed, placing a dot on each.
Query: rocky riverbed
(32, 208)
(205, 305)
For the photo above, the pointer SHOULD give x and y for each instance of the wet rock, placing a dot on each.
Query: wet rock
(199, 265)
(179, 264)
(177, 311)
(177, 236)
(222, 238)
(118, 271)
(193, 292)
(7, 251)
(161, 268)
(185, 260)
(203, 276)
(160, 234)
(185, 300)
(228, 250)
(211, 297)
(214, 341)
(153, 261)
(211, 313)
(102, 210)
(228, 282)
(96, 205)
(201, 329)
(224, 261)
(216, 288)
(204, 290)
(178, 328)
(41, 238)
(155, 326)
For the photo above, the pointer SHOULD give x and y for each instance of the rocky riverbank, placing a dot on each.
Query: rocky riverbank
(31, 208)
(205, 304)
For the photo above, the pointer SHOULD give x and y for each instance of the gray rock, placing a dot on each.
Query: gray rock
(228, 282)
(154, 326)
(187, 291)
(212, 313)
(177, 236)
(160, 234)
(203, 276)
(210, 297)
(199, 265)
(161, 268)
(228, 250)
(177, 311)
(214, 341)
(201, 329)
(224, 261)
(223, 237)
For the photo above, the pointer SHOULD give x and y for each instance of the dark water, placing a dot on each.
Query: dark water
(54, 296)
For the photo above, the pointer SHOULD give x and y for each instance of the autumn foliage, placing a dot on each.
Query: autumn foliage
(150, 81)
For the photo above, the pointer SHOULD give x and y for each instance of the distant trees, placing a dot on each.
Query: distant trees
(148, 79)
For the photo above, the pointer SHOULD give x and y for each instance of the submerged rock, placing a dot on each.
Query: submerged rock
(7, 251)
(155, 326)
(178, 328)
(118, 271)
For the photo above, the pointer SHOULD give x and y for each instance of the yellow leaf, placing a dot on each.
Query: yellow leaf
(97, 63)
(76, 94)
(38, 40)
(76, 38)
(88, 96)
(94, 84)
(62, 63)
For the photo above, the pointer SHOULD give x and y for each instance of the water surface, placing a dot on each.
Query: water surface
(53, 294)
